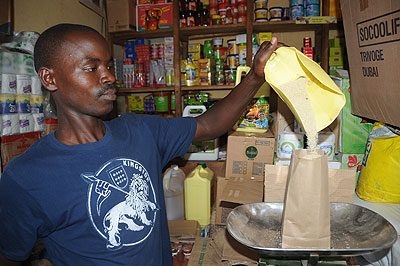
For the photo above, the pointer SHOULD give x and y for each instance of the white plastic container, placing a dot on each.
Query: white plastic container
(204, 150)
(327, 143)
(173, 183)
(288, 142)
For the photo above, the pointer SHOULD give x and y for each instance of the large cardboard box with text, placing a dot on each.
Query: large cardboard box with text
(372, 33)
(247, 153)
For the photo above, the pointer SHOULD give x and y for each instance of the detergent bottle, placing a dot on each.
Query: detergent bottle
(173, 183)
(198, 194)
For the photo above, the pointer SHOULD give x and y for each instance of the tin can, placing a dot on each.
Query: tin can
(232, 61)
(275, 12)
(275, 19)
(312, 2)
(261, 13)
(296, 2)
(242, 9)
(230, 76)
(296, 11)
(242, 19)
(260, 4)
(242, 54)
(232, 47)
(219, 78)
(216, 19)
(222, 14)
(312, 10)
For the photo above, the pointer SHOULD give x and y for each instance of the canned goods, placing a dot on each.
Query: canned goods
(234, 2)
(296, 11)
(296, 2)
(217, 53)
(261, 20)
(213, 11)
(224, 53)
(275, 19)
(219, 77)
(232, 61)
(260, 4)
(242, 19)
(312, 10)
(213, 3)
(275, 12)
(261, 13)
(222, 14)
(312, 2)
(230, 76)
(232, 47)
(242, 54)
(216, 19)
(222, 6)
(217, 42)
(242, 9)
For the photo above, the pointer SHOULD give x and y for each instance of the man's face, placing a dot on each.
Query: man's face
(84, 76)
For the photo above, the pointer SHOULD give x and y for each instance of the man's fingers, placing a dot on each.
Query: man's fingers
(267, 48)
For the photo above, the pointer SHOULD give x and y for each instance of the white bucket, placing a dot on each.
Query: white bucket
(288, 142)
(327, 143)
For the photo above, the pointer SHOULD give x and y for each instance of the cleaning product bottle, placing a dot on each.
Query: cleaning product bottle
(173, 184)
(198, 194)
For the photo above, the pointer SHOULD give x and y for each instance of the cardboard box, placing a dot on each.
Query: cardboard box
(15, 145)
(334, 164)
(121, 15)
(372, 34)
(341, 184)
(184, 227)
(234, 192)
(353, 133)
(247, 153)
(165, 21)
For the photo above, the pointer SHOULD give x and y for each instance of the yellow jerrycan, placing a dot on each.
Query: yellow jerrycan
(301, 82)
(198, 194)
(255, 117)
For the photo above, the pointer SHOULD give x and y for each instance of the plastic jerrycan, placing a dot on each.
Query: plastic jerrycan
(173, 183)
(198, 194)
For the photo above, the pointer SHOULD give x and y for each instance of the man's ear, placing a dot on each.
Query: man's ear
(47, 78)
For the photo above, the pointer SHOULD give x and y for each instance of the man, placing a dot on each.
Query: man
(92, 190)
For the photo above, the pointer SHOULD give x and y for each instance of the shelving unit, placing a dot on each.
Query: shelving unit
(182, 36)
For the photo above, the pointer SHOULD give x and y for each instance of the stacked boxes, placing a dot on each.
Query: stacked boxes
(336, 54)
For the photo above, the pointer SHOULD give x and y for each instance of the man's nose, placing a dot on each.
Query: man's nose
(108, 76)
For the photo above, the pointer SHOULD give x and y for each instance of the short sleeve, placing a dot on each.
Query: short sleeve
(19, 220)
(172, 135)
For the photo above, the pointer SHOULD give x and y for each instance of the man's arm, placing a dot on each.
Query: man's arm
(6, 262)
(223, 115)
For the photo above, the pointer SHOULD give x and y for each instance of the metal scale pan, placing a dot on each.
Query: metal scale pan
(355, 231)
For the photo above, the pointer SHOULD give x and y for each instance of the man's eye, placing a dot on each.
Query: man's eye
(110, 67)
(90, 69)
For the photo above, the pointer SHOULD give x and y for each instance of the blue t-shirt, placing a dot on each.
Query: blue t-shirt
(98, 203)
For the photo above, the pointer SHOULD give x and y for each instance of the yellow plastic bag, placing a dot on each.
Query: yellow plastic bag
(380, 175)
(289, 71)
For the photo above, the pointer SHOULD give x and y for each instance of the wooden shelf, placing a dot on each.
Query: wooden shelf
(202, 88)
(146, 89)
(200, 32)
(121, 37)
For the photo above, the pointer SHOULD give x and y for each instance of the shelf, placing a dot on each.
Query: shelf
(203, 88)
(121, 37)
(183, 88)
(147, 89)
(284, 26)
(200, 32)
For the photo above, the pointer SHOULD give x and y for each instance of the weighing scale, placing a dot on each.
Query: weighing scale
(355, 231)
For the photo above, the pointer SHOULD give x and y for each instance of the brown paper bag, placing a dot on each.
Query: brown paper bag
(306, 213)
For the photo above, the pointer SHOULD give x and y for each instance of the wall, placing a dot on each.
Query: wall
(38, 15)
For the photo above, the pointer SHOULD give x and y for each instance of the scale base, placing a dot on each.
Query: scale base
(312, 261)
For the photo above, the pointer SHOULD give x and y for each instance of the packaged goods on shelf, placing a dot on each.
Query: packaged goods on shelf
(154, 16)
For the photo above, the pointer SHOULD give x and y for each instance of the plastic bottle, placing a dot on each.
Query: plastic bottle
(173, 184)
(198, 194)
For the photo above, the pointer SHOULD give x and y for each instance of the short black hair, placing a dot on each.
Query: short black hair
(50, 41)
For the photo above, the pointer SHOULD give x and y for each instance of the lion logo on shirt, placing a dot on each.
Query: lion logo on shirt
(122, 214)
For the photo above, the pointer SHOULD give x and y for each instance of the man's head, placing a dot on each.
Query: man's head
(74, 63)
(50, 42)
